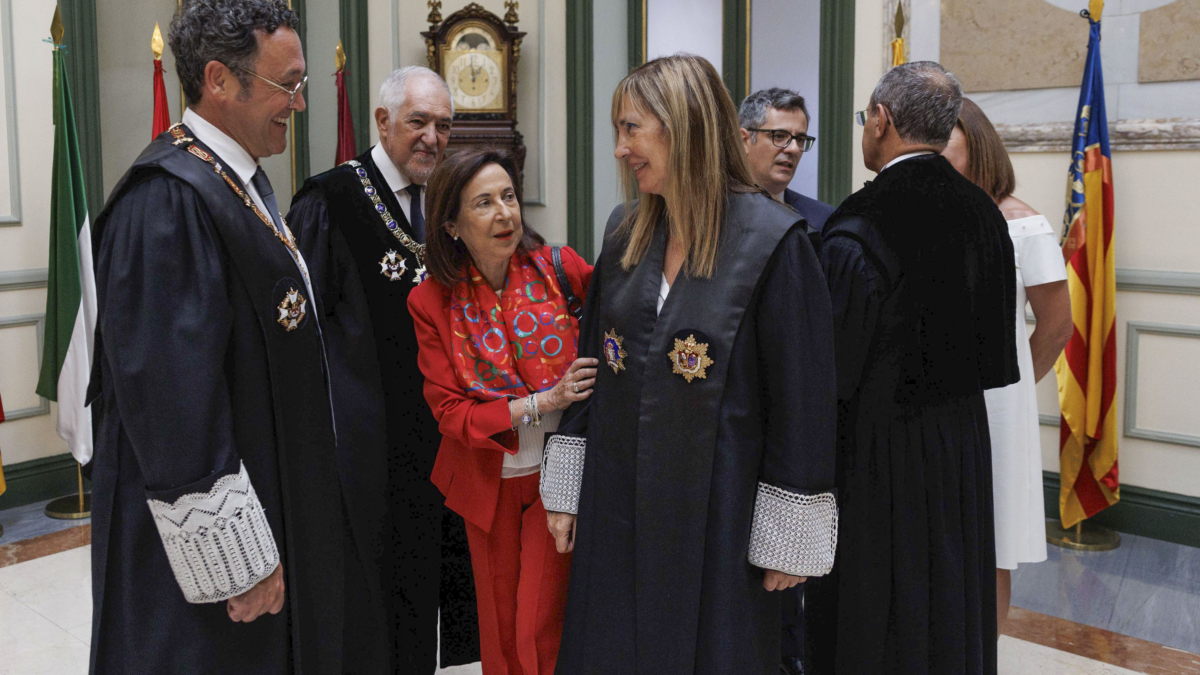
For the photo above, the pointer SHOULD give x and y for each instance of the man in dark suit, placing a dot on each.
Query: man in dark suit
(775, 134)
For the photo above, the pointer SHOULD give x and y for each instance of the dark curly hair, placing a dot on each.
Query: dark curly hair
(222, 30)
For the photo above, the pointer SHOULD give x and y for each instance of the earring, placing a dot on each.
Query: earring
(455, 237)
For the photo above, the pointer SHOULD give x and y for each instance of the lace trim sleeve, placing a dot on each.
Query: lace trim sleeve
(562, 473)
(794, 533)
(218, 543)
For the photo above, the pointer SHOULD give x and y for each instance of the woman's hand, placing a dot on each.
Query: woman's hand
(774, 580)
(562, 526)
(575, 385)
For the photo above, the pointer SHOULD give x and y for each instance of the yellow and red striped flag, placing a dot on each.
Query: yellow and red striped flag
(1087, 368)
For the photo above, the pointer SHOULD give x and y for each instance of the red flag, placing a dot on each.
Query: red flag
(162, 114)
(345, 126)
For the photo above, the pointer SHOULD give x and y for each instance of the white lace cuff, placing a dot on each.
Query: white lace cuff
(794, 533)
(218, 543)
(562, 473)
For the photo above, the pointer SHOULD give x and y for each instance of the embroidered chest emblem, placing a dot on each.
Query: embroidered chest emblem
(614, 352)
(690, 358)
(292, 310)
(393, 267)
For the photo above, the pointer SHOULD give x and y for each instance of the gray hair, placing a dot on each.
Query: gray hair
(924, 100)
(224, 31)
(393, 91)
(753, 111)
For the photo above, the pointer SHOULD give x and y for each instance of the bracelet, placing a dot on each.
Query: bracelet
(537, 414)
(527, 417)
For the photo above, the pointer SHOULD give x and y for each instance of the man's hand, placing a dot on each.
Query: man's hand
(562, 526)
(266, 596)
(777, 581)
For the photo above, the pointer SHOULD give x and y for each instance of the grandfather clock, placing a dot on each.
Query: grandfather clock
(476, 53)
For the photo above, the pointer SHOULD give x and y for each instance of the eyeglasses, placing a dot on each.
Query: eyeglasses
(861, 118)
(292, 93)
(781, 138)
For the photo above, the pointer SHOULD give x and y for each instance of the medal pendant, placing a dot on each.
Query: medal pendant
(292, 310)
(419, 275)
(393, 267)
(690, 358)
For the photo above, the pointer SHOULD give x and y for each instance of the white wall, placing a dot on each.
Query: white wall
(321, 28)
(785, 51)
(610, 59)
(692, 26)
(25, 245)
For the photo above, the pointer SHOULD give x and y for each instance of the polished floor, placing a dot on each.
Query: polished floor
(1133, 610)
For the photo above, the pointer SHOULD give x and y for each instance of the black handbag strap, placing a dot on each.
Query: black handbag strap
(574, 304)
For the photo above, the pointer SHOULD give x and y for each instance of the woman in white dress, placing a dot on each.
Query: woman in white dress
(975, 149)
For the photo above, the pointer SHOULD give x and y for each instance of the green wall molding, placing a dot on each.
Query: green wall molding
(83, 74)
(635, 18)
(299, 139)
(735, 48)
(1142, 511)
(579, 127)
(38, 480)
(353, 30)
(1134, 331)
(835, 154)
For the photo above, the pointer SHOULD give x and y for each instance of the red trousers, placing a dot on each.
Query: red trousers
(520, 584)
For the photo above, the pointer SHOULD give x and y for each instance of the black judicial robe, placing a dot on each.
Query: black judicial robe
(660, 581)
(193, 375)
(920, 271)
(382, 414)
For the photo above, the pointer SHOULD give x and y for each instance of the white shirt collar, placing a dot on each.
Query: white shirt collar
(230, 151)
(395, 180)
(903, 157)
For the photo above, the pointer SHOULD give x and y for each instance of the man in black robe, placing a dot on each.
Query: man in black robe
(921, 275)
(361, 226)
(223, 537)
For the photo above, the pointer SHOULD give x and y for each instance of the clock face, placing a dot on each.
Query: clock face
(475, 81)
(474, 69)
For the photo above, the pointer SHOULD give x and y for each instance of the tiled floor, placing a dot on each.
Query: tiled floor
(1079, 609)
(1147, 589)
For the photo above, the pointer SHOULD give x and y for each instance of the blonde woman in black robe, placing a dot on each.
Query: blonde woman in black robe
(706, 451)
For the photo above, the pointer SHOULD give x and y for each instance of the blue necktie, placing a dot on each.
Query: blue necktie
(263, 186)
(418, 214)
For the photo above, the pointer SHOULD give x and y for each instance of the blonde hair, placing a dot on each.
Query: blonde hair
(705, 159)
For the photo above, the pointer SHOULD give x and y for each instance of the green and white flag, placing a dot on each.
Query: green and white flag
(71, 292)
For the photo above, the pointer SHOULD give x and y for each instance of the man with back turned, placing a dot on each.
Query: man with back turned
(921, 275)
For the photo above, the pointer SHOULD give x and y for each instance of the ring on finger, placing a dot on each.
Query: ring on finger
(575, 386)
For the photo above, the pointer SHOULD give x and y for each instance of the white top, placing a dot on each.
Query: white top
(1012, 411)
(396, 181)
(244, 167)
(529, 449)
(664, 289)
(903, 157)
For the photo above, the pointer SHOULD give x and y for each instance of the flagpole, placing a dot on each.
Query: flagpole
(72, 507)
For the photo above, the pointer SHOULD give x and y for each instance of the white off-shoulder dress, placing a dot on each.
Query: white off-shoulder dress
(1012, 411)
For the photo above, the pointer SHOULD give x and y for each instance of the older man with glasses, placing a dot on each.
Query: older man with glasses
(775, 135)
(225, 538)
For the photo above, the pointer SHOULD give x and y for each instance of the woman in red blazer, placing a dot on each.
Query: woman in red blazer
(498, 350)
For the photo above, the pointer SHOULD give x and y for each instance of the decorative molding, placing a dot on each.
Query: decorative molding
(835, 157)
(1048, 420)
(1134, 329)
(735, 48)
(1123, 135)
(39, 479)
(1142, 511)
(1157, 281)
(10, 118)
(39, 322)
(543, 149)
(636, 35)
(579, 127)
(19, 280)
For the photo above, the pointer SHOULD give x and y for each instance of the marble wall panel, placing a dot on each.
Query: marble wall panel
(1016, 44)
(1170, 43)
